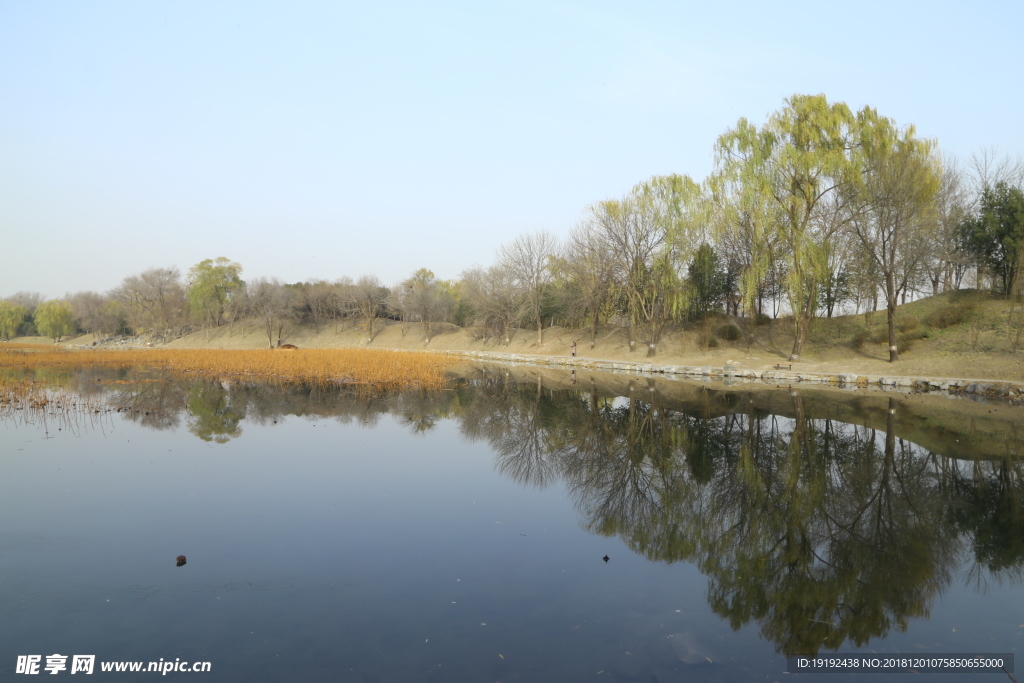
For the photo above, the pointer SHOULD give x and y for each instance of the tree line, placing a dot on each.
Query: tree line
(818, 210)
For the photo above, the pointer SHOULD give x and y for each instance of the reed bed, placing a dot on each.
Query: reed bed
(35, 403)
(371, 368)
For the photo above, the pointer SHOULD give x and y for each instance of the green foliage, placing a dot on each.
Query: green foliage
(995, 237)
(55, 319)
(836, 289)
(892, 204)
(776, 183)
(707, 283)
(212, 284)
(215, 413)
(11, 317)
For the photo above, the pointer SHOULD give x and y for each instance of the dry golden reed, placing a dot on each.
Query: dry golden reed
(366, 367)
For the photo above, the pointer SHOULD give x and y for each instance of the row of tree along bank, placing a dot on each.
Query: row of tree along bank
(820, 209)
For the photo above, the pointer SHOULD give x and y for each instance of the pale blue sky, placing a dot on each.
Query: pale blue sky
(321, 139)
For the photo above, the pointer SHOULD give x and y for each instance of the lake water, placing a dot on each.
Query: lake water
(462, 536)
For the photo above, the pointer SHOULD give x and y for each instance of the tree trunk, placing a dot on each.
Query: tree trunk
(894, 354)
(802, 322)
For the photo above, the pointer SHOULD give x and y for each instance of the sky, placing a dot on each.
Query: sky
(316, 140)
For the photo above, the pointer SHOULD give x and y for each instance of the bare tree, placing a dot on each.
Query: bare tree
(422, 299)
(96, 312)
(528, 259)
(634, 242)
(987, 169)
(318, 299)
(590, 266)
(948, 261)
(153, 300)
(29, 300)
(271, 302)
(367, 297)
(492, 292)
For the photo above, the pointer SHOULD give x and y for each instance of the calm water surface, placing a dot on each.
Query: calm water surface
(461, 536)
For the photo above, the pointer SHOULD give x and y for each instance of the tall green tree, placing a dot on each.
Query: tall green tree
(782, 179)
(706, 281)
(996, 235)
(212, 284)
(11, 317)
(55, 319)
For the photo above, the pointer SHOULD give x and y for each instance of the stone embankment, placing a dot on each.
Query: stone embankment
(784, 375)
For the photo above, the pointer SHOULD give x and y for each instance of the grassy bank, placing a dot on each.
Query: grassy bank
(961, 334)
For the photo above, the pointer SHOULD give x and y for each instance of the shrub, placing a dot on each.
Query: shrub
(906, 323)
(860, 338)
(730, 332)
(950, 314)
(707, 340)
(762, 319)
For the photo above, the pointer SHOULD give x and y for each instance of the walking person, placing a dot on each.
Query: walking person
(573, 347)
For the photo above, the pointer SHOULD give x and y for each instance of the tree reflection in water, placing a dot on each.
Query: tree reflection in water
(820, 531)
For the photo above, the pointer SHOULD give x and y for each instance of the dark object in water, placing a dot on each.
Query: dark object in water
(605, 558)
(181, 560)
(288, 346)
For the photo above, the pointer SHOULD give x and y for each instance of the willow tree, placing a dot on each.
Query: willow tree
(892, 203)
(781, 181)
(55, 319)
(11, 317)
(649, 236)
(212, 284)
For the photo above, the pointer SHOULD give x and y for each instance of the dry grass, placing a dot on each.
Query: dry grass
(375, 368)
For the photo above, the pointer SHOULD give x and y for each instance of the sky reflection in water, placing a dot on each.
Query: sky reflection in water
(459, 536)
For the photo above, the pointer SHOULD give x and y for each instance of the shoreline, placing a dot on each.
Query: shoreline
(899, 384)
